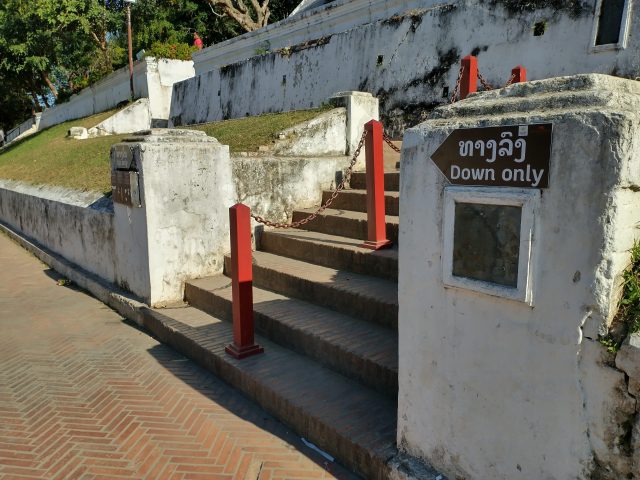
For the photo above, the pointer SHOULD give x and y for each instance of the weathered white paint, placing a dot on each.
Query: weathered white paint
(75, 225)
(132, 118)
(182, 229)
(406, 61)
(323, 135)
(494, 388)
(153, 79)
(302, 25)
(274, 186)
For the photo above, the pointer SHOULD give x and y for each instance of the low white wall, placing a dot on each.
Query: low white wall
(19, 130)
(153, 79)
(406, 61)
(63, 221)
(491, 388)
(133, 118)
(274, 186)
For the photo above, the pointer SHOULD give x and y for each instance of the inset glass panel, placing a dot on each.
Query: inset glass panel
(610, 22)
(486, 243)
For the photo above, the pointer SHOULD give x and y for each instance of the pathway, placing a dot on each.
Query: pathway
(85, 395)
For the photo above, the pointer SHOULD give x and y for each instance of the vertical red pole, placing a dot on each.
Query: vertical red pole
(519, 74)
(376, 222)
(241, 284)
(469, 81)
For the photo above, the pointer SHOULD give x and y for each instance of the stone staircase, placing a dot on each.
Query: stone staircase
(326, 311)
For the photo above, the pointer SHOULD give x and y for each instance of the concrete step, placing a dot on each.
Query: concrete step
(356, 200)
(344, 223)
(368, 298)
(357, 349)
(391, 181)
(341, 253)
(351, 422)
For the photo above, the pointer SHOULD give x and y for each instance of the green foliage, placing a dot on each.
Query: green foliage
(176, 51)
(629, 308)
(627, 318)
(63, 46)
(247, 134)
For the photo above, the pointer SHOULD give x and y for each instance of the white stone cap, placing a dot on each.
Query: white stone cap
(170, 135)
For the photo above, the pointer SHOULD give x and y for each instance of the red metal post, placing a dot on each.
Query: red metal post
(469, 80)
(519, 74)
(376, 222)
(242, 284)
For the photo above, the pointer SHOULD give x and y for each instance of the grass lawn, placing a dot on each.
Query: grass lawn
(49, 157)
(247, 134)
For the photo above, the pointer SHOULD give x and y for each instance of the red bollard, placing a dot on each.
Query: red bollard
(376, 222)
(519, 74)
(242, 284)
(469, 80)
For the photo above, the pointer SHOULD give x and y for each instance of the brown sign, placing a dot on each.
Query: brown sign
(510, 156)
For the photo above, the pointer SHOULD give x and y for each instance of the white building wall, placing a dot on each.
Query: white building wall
(153, 79)
(406, 61)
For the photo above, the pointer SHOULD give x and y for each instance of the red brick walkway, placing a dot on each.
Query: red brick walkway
(84, 395)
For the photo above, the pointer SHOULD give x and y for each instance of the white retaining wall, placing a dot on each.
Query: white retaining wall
(64, 222)
(406, 61)
(153, 79)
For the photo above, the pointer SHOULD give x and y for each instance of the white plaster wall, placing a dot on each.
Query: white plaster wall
(132, 118)
(421, 54)
(493, 388)
(182, 229)
(274, 186)
(323, 135)
(68, 223)
(300, 27)
(153, 79)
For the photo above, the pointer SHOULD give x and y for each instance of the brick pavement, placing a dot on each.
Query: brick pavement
(85, 395)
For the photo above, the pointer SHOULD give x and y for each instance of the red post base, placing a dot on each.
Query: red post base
(377, 245)
(243, 352)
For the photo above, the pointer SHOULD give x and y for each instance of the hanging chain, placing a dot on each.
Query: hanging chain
(513, 77)
(334, 195)
(390, 143)
(484, 83)
(456, 90)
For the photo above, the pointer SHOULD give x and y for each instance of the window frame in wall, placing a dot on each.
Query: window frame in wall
(624, 29)
(528, 200)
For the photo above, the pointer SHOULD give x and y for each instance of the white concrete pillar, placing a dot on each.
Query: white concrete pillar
(177, 226)
(505, 379)
(361, 107)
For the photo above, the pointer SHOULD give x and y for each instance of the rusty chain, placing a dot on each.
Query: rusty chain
(513, 77)
(484, 83)
(456, 90)
(334, 195)
(390, 142)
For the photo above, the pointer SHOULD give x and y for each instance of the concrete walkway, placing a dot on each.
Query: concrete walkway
(85, 395)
